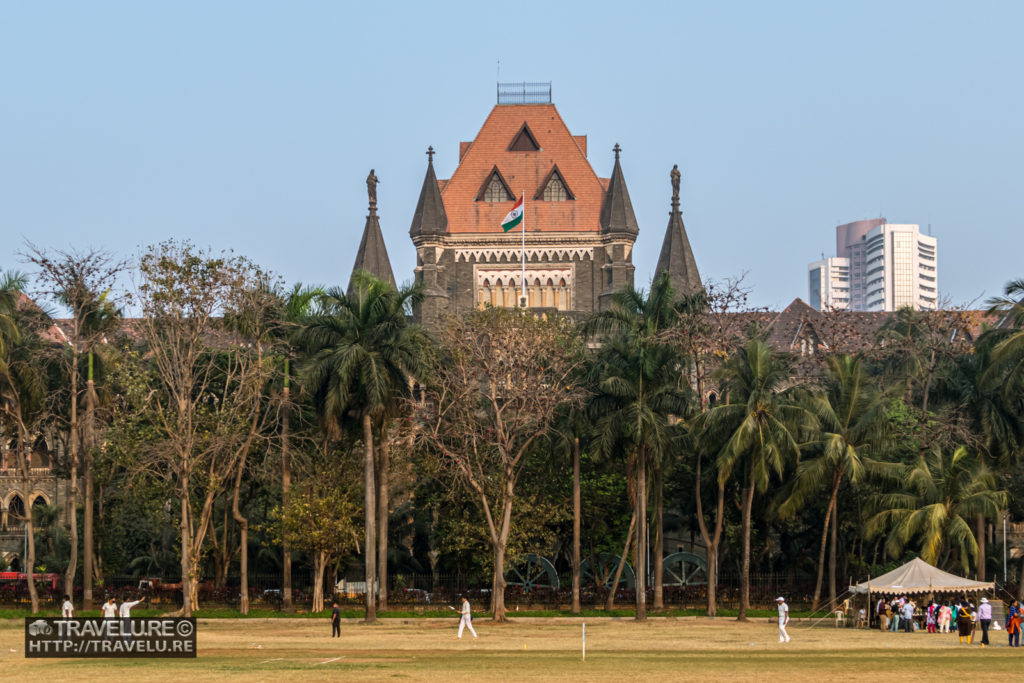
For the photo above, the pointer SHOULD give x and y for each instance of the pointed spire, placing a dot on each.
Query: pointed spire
(372, 255)
(430, 217)
(676, 255)
(617, 210)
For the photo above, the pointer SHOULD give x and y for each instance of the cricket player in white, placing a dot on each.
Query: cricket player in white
(67, 610)
(783, 619)
(109, 609)
(125, 611)
(466, 620)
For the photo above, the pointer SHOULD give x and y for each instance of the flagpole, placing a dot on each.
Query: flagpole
(522, 256)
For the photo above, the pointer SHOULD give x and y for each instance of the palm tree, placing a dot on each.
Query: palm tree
(22, 391)
(363, 354)
(935, 499)
(1008, 355)
(756, 431)
(640, 386)
(298, 304)
(98, 319)
(852, 419)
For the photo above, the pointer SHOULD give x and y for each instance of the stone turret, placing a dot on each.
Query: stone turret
(676, 255)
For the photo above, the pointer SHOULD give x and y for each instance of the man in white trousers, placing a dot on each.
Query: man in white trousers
(466, 620)
(783, 619)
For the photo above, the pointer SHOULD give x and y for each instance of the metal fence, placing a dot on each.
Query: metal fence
(427, 591)
(524, 93)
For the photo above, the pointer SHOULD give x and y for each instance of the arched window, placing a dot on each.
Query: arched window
(16, 511)
(555, 191)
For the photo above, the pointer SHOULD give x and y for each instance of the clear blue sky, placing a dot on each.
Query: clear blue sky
(252, 125)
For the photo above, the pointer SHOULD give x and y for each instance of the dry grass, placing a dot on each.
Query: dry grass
(539, 650)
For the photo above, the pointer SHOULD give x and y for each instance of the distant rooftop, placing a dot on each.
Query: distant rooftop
(524, 93)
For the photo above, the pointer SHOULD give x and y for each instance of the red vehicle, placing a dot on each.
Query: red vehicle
(52, 580)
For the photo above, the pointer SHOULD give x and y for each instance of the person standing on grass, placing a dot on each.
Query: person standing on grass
(985, 619)
(964, 623)
(907, 617)
(783, 619)
(1013, 624)
(945, 614)
(109, 609)
(67, 610)
(466, 620)
(336, 621)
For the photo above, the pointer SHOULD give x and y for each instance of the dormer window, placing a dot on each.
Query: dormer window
(554, 188)
(494, 189)
(555, 191)
(524, 141)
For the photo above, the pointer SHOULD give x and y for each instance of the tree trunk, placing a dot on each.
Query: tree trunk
(980, 523)
(576, 525)
(833, 559)
(659, 541)
(748, 505)
(73, 438)
(383, 504)
(243, 538)
(30, 536)
(824, 543)
(90, 489)
(186, 560)
(286, 485)
(609, 604)
(711, 541)
(498, 584)
(319, 566)
(641, 536)
(370, 539)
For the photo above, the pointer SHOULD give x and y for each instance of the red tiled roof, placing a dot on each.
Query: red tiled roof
(524, 171)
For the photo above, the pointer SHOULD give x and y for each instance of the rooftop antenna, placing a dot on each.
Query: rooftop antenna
(499, 70)
(929, 229)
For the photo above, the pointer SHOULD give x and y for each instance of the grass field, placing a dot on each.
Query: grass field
(423, 650)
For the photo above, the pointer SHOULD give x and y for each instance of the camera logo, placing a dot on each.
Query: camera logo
(40, 628)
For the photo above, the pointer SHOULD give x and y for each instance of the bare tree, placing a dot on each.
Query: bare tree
(82, 283)
(210, 384)
(500, 379)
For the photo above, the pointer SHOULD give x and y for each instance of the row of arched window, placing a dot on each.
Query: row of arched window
(13, 515)
(506, 294)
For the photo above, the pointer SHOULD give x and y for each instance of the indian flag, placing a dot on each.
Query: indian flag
(514, 217)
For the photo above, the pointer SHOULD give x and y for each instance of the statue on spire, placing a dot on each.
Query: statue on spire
(371, 189)
(676, 178)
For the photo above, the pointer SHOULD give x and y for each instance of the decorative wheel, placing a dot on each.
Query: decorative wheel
(685, 569)
(602, 572)
(532, 571)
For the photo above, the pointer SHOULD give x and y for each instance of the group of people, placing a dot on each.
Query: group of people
(901, 612)
(109, 609)
(465, 619)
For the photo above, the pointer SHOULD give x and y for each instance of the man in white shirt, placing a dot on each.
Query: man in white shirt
(109, 609)
(783, 619)
(466, 620)
(67, 610)
(125, 612)
(126, 608)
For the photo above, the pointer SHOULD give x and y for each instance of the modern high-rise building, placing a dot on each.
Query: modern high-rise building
(879, 266)
(829, 282)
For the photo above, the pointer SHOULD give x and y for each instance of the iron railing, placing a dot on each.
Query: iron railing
(524, 93)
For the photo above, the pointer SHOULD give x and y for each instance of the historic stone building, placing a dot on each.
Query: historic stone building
(580, 228)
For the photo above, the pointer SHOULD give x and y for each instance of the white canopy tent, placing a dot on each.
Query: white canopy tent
(919, 577)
